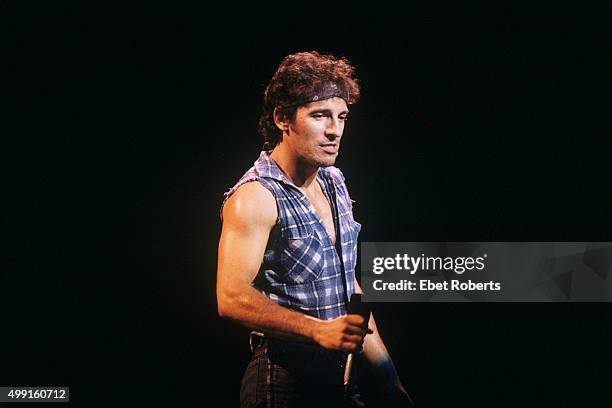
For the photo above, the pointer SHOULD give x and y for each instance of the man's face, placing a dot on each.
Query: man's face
(314, 136)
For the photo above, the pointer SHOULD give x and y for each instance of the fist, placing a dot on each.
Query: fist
(345, 333)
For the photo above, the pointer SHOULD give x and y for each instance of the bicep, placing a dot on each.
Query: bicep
(248, 219)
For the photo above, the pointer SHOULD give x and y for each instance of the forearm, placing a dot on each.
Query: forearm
(378, 358)
(250, 308)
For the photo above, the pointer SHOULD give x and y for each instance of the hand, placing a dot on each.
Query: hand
(344, 333)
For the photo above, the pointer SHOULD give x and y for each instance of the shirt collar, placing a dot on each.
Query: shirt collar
(267, 167)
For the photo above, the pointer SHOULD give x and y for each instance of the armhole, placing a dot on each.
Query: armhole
(267, 184)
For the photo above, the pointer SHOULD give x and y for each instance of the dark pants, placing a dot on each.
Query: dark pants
(291, 375)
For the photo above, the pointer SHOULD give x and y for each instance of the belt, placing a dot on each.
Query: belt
(256, 339)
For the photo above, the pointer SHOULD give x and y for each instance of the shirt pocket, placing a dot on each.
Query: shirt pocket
(352, 240)
(302, 256)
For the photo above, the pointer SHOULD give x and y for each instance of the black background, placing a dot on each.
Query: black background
(125, 125)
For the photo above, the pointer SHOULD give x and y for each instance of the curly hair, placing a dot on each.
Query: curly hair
(295, 81)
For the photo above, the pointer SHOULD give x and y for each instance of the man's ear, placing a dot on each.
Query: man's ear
(280, 120)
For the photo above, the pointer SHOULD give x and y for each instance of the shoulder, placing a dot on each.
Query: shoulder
(337, 177)
(251, 204)
(336, 174)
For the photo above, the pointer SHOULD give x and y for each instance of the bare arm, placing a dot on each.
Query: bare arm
(378, 358)
(248, 218)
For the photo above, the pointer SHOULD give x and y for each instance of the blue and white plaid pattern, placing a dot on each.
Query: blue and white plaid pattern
(301, 270)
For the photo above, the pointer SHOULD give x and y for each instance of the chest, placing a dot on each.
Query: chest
(324, 210)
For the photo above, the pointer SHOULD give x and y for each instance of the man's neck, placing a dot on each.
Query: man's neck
(301, 174)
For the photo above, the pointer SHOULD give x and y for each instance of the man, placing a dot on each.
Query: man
(288, 247)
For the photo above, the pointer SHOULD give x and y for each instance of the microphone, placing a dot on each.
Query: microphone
(355, 306)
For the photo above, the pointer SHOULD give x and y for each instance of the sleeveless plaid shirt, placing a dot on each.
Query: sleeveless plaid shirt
(301, 270)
